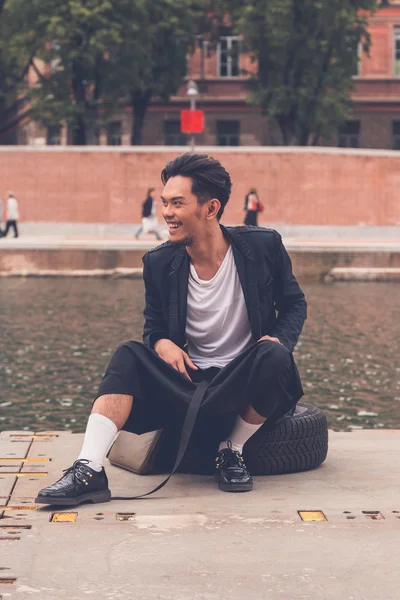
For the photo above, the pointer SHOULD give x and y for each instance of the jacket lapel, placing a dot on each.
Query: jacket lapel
(246, 268)
(179, 277)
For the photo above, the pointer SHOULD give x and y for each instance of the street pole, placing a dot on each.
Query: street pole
(192, 91)
(192, 107)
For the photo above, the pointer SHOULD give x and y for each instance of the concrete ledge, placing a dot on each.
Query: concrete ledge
(321, 150)
(362, 274)
(336, 233)
(308, 265)
(136, 273)
(313, 260)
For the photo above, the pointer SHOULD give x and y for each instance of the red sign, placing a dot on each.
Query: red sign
(192, 121)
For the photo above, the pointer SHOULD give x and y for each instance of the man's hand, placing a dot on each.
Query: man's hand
(174, 356)
(268, 337)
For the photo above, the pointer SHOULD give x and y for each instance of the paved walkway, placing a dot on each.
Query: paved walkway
(191, 541)
(377, 244)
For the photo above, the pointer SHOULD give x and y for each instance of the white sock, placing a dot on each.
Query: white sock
(100, 434)
(241, 432)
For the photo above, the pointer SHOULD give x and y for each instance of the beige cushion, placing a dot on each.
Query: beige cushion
(135, 452)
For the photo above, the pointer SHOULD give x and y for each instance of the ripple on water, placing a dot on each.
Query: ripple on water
(58, 336)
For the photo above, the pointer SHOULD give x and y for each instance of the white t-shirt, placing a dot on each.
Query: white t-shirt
(12, 209)
(217, 323)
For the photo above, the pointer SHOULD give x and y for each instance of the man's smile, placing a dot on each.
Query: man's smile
(173, 225)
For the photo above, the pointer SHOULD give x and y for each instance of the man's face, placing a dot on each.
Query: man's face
(185, 218)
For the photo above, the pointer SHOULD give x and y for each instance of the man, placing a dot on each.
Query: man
(149, 216)
(211, 297)
(1, 216)
(12, 215)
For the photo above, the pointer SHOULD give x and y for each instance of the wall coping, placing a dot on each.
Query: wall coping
(205, 149)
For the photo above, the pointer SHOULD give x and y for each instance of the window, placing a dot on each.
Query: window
(396, 57)
(228, 133)
(53, 135)
(173, 135)
(396, 135)
(349, 135)
(114, 133)
(229, 57)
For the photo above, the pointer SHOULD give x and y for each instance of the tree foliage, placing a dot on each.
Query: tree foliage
(14, 62)
(306, 52)
(72, 39)
(101, 54)
(91, 57)
(150, 60)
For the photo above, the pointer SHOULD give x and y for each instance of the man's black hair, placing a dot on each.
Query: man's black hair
(209, 178)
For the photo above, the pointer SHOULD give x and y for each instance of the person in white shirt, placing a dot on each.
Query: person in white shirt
(12, 215)
(1, 215)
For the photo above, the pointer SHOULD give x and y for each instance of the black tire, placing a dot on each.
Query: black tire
(297, 443)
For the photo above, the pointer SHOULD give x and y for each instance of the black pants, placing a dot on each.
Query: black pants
(251, 217)
(264, 375)
(10, 224)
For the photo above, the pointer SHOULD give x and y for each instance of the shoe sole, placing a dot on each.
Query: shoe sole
(235, 488)
(95, 497)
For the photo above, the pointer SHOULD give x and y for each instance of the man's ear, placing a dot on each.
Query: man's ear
(213, 208)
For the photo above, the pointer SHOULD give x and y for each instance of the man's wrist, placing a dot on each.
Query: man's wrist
(157, 343)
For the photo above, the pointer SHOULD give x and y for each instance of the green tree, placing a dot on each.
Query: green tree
(306, 52)
(72, 39)
(102, 54)
(150, 61)
(14, 65)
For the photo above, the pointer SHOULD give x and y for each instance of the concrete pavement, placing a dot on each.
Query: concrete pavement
(192, 541)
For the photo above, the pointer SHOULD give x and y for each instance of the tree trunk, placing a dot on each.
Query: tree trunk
(79, 92)
(79, 133)
(139, 102)
(304, 137)
(285, 125)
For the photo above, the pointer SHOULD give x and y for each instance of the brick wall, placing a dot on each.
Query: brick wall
(302, 187)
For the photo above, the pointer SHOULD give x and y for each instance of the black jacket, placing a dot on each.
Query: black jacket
(275, 302)
(147, 207)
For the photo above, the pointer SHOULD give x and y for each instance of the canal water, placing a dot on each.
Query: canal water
(57, 336)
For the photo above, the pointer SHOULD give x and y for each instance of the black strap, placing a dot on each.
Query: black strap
(187, 429)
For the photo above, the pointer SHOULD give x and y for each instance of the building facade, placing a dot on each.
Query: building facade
(231, 121)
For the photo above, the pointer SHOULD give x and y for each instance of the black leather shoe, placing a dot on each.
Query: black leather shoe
(79, 484)
(231, 473)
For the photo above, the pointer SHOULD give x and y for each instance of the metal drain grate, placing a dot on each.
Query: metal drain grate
(19, 507)
(36, 436)
(311, 515)
(64, 517)
(375, 515)
(19, 474)
(125, 516)
(16, 528)
(7, 459)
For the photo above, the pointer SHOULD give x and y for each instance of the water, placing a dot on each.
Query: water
(58, 335)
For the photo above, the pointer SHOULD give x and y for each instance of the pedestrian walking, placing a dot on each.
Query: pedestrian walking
(223, 313)
(252, 206)
(12, 215)
(149, 216)
(1, 217)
